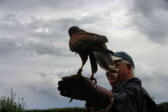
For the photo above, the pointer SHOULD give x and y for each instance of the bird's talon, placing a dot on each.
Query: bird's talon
(93, 79)
(70, 100)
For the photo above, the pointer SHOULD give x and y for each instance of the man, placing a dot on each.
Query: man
(127, 94)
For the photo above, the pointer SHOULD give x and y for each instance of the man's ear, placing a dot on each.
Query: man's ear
(129, 66)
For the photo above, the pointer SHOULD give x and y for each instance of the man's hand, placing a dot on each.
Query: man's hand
(77, 87)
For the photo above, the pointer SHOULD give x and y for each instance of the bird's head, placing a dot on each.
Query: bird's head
(74, 29)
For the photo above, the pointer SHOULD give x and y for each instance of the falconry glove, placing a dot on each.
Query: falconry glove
(77, 87)
(82, 88)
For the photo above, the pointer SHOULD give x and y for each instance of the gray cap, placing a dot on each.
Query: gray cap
(123, 56)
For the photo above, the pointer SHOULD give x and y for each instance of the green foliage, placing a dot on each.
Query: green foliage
(8, 104)
(163, 107)
(60, 110)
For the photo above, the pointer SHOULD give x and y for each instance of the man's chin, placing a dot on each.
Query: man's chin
(112, 82)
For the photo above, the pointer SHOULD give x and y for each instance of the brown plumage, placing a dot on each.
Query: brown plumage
(85, 43)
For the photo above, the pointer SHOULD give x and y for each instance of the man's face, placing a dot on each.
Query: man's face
(112, 77)
(123, 72)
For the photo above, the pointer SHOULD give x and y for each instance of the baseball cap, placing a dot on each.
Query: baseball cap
(123, 56)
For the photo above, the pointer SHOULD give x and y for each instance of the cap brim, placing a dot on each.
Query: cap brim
(116, 58)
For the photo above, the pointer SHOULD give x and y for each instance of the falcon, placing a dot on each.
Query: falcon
(88, 44)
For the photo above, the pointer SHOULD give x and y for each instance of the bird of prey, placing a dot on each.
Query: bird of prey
(88, 44)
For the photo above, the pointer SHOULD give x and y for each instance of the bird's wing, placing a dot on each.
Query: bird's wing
(93, 63)
(85, 41)
(97, 38)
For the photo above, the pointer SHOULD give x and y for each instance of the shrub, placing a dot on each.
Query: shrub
(8, 104)
(163, 107)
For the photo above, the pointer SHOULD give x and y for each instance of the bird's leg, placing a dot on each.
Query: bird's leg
(84, 58)
(93, 63)
(80, 70)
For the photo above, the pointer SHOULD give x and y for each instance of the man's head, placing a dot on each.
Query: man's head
(125, 66)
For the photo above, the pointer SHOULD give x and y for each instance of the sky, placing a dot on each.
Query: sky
(35, 55)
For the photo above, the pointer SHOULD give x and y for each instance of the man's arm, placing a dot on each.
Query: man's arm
(102, 101)
(128, 98)
(107, 108)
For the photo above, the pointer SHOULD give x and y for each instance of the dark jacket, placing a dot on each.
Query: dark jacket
(130, 96)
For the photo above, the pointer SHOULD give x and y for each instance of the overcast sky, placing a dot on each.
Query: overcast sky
(34, 51)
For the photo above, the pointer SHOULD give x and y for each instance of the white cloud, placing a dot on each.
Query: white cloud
(150, 19)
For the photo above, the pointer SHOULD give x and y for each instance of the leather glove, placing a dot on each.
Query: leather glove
(82, 88)
(77, 87)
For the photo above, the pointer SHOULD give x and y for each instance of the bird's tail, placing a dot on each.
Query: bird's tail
(104, 60)
(109, 52)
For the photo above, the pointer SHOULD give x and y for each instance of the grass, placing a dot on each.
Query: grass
(60, 110)
(163, 107)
